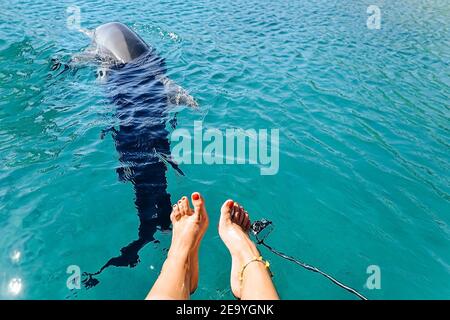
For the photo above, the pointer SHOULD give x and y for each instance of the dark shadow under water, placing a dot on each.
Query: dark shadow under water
(142, 143)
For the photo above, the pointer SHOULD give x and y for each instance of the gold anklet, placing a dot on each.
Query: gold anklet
(255, 259)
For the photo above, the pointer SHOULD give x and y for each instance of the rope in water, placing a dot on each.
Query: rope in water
(258, 226)
(314, 269)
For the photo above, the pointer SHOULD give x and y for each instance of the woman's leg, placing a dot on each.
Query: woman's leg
(179, 274)
(256, 282)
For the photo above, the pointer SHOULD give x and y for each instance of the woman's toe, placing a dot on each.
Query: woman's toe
(225, 212)
(247, 224)
(241, 216)
(175, 215)
(181, 207)
(185, 205)
(236, 215)
(198, 202)
(246, 220)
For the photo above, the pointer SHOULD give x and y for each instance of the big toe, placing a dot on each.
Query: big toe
(199, 205)
(225, 212)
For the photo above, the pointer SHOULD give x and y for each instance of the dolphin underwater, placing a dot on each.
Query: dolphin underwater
(135, 82)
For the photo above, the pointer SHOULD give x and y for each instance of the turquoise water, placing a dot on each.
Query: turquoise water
(364, 143)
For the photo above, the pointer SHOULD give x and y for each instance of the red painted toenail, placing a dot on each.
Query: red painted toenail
(195, 196)
(230, 204)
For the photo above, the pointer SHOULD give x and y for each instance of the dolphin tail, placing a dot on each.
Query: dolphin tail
(129, 255)
(147, 200)
(128, 258)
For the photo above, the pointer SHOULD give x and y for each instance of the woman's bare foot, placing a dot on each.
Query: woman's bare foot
(199, 205)
(179, 272)
(189, 227)
(233, 230)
